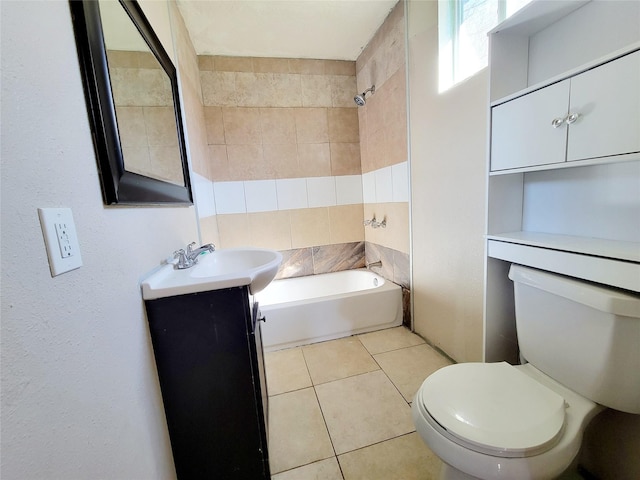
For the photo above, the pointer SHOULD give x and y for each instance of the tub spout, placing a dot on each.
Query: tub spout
(375, 264)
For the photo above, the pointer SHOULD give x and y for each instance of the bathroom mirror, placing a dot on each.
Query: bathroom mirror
(133, 102)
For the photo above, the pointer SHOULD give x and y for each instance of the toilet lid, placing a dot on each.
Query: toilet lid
(494, 408)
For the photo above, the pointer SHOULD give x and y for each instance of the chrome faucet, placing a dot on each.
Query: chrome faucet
(189, 258)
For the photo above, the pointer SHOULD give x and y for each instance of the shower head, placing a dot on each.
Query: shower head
(360, 99)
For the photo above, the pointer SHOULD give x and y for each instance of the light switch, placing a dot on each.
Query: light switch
(61, 240)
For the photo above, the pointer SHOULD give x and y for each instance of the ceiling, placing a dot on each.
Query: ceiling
(323, 29)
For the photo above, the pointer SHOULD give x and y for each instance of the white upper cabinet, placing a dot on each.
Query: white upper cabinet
(606, 101)
(595, 114)
(530, 130)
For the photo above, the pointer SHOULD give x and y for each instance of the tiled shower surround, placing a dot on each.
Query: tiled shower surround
(295, 166)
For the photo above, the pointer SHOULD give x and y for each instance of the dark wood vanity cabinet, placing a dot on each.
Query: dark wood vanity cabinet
(208, 352)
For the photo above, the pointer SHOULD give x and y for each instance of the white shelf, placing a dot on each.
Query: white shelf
(627, 157)
(538, 254)
(596, 247)
(536, 16)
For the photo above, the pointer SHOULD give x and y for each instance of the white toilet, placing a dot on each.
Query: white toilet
(497, 421)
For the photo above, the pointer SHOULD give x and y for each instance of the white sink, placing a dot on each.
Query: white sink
(232, 267)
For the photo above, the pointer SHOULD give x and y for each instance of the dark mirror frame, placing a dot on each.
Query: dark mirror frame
(119, 186)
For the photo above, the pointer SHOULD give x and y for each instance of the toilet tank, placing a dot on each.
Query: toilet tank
(583, 335)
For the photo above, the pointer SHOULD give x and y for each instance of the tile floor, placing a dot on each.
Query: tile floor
(340, 410)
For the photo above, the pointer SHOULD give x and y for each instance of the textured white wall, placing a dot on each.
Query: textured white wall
(448, 156)
(80, 396)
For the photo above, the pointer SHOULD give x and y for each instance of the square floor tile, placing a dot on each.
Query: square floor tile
(286, 371)
(363, 410)
(297, 433)
(323, 470)
(337, 359)
(389, 339)
(406, 457)
(408, 367)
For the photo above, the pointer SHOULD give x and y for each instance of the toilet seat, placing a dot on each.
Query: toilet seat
(494, 409)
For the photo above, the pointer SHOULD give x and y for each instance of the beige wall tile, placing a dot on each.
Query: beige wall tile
(271, 65)
(214, 125)
(285, 90)
(161, 126)
(246, 162)
(396, 233)
(268, 90)
(270, 230)
(343, 89)
(376, 151)
(316, 90)
(128, 90)
(340, 67)
(219, 88)
(283, 158)
(309, 227)
(234, 230)
(166, 163)
(147, 60)
(363, 131)
(198, 148)
(314, 160)
(209, 230)
(205, 62)
(312, 125)
(306, 66)
(219, 163)
(345, 159)
(374, 110)
(250, 90)
(346, 223)
(136, 159)
(232, 64)
(343, 125)
(278, 125)
(242, 126)
(122, 59)
(132, 127)
(395, 144)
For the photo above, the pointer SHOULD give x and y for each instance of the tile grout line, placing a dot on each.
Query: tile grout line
(324, 420)
(385, 373)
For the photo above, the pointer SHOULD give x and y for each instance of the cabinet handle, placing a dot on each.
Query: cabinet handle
(572, 118)
(557, 122)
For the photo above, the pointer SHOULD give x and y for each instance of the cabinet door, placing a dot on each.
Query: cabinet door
(607, 100)
(522, 134)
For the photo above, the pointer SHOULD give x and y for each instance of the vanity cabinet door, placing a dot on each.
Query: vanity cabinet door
(207, 362)
(522, 132)
(607, 102)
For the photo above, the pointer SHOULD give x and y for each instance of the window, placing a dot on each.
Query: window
(462, 35)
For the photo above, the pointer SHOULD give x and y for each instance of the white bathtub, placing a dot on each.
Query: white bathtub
(316, 308)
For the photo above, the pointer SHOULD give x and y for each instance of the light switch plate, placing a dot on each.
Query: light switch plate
(61, 239)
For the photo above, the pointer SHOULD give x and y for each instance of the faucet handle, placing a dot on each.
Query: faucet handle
(182, 258)
(190, 247)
